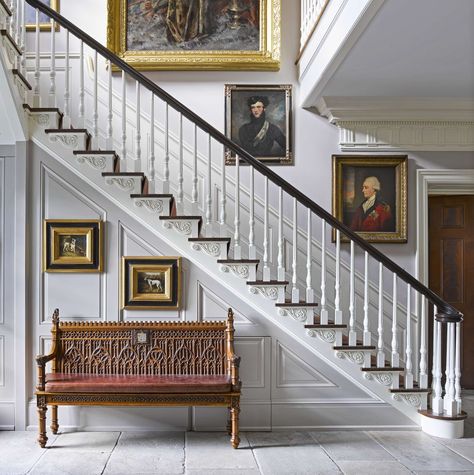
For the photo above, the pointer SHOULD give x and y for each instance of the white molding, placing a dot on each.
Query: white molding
(435, 182)
(338, 30)
(2, 361)
(2, 240)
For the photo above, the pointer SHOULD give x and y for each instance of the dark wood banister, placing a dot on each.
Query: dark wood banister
(446, 312)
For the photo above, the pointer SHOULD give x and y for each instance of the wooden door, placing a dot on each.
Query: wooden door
(451, 266)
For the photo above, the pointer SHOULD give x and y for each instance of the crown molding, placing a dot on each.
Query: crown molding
(401, 123)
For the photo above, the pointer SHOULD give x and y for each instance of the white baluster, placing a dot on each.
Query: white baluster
(423, 378)
(380, 350)
(252, 248)
(110, 114)
(36, 87)
(295, 292)
(67, 95)
(95, 113)
(151, 163)
(309, 260)
(266, 267)
(194, 191)
(367, 338)
(52, 66)
(437, 401)
(395, 355)
(457, 386)
(449, 401)
(166, 162)
(209, 182)
(281, 271)
(352, 310)
(324, 312)
(12, 19)
(337, 284)
(222, 214)
(237, 247)
(180, 191)
(123, 156)
(23, 38)
(408, 350)
(138, 136)
(81, 111)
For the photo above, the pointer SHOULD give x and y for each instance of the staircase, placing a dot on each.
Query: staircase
(233, 243)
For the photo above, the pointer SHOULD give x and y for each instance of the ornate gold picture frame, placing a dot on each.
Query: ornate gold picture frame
(370, 196)
(258, 118)
(203, 34)
(150, 283)
(72, 245)
(44, 20)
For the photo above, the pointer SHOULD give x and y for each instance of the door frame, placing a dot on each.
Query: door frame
(435, 182)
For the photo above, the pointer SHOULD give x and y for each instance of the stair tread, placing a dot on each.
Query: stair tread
(67, 131)
(268, 282)
(12, 41)
(444, 416)
(326, 325)
(205, 239)
(123, 174)
(42, 109)
(183, 217)
(23, 79)
(356, 347)
(412, 390)
(238, 261)
(95, 152)
(152, 195)
(292, 304)
(6, 8)
(384, 368)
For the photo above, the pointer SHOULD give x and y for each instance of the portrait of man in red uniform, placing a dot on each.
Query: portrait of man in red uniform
(373, 214)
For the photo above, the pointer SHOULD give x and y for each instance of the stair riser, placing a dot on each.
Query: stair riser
(10, 53)
(360, 357)
(68, 141)
(243, 271)
(39, 121)
(214, 249)
(188, 228)
(101, 163)
(153, 206)
(271, 292)
(4, 16)
(121, 187)
(385, 378)
(417, 400)
(328, 335)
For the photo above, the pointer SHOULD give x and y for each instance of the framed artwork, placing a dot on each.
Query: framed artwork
(44, 20)
(370, 196)
(72, 245)
(258, 118)
(198, 34)
(151, 283)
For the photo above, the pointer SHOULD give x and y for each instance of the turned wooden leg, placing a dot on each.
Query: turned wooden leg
(42, 439)
(229, 424)
(234, 413)
(54, 419)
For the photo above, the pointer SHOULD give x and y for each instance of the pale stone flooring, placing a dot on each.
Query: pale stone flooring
(210, 453)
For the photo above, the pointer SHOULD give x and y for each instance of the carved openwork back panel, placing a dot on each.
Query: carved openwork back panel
(159, 349)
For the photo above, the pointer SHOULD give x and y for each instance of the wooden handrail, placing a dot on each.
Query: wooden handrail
(446, 312)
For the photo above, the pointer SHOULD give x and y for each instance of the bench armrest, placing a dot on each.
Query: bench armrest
(41, 360)
(234, 372)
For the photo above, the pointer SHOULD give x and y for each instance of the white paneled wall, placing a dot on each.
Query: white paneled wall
(275, 369)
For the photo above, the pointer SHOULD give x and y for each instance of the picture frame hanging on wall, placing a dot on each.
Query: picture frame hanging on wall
(44, 20)
(150, 283)
(203, 34)
(73, 245)
(370, 196)
(258, 118)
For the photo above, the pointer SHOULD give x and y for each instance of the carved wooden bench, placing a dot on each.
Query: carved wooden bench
(140, 364)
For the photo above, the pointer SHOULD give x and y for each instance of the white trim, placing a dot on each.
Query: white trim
(435, 182)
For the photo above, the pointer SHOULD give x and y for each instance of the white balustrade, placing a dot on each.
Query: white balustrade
(337, 281)
(437, 401)
(95, 106)
(309, 247)
(237, 247)
(52, 67)
(324, 312)
(380, 349)
(367, 335)
(449, 389)
(408, 350)
(36, 87)
(395, 354)
(281, 271)
(23, 38)
(223, 200)
(67, 95)
(180, 190)
(81, 108)
(209, 181)
(295, 293)
(194, 191)
(252, 248)
(123, 155)
(457, 386)
(423, 376)
(352, 309)
(109, 141)
(138, 136)
(266, 267)
(166, 162)
(151, 161)
(311, 11)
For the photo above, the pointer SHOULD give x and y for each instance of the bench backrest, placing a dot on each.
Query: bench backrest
(143, 348)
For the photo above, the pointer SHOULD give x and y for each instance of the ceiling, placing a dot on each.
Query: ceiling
(422, 48)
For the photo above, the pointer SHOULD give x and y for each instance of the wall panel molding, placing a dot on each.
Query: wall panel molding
(2, 240)
(2, 361)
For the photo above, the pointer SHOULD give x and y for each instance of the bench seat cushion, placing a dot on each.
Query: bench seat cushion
(92, 383)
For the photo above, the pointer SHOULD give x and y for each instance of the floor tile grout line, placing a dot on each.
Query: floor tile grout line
(326, 452)
(111, 452)
(185, 443)
(253, 453)
(42, 455)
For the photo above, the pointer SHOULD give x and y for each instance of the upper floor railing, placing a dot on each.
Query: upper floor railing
(311, 11)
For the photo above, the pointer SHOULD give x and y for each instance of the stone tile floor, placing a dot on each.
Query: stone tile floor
(210, 453)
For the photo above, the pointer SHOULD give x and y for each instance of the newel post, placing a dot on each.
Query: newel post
(233, 361)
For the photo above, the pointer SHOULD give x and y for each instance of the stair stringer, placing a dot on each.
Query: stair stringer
(232, 283)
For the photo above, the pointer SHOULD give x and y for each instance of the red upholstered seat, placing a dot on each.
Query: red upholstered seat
(91, 383)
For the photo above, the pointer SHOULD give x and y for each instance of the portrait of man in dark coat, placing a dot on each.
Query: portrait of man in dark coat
(260, 137)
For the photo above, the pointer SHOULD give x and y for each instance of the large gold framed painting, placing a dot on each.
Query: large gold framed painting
(196, 34)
